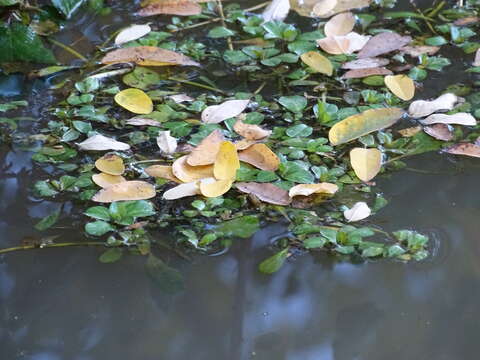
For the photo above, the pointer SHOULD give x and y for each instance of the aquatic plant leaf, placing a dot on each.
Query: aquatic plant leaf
(182, 190)
(366, 163)
(383, 43)
(166, 142)
(250, 131)
(260, 156)
(441, 132)
(168, 279)
(309, 189)
(460, 118)
(362, 124)
(277, 10)
(111, 255)
(242, 227)
(273, 263)
(135, 101)
(295, 103)
(147, 56)
(67, 7)
(357, 212)
(266, 192)
(133, 32)
(110, 164)
(363, 73)
(365, 63)
(162, 171)
(128, 190)
(171, 7)
(187, 173)
(48, 221)
(98, 228)
(227, 163)
(346, 44)
(466, 149)
(401, 85)
(102, 143)
(105, 180)
(215, 114)
(317, 62)
(340, 24)
(211, 187)
(422, 108)
(206, 152)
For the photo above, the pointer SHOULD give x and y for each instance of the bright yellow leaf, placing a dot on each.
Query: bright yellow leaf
(366, 163)
(317, 62)
(212, 188)
(110, 164)
(401, 85)
(187, 173)
(226, 163)
(135, 101)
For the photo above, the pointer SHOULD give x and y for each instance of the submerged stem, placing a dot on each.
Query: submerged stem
(203, 86)
(44, 246)
(68, 49)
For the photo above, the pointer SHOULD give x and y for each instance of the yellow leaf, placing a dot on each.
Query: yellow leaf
(309, 189)
(340, 24)
(206, 152)
(364, 123)
(110, 164)
(366, 163)
(171, 7)
(401, 85)
(317, 62)
(226, 163)
(162, 171)
(212, 188)
(187, 173)
(260, 156)
(105, 180)
(135, 101)
(127, 190)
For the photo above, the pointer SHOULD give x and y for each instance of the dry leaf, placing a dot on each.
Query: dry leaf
(309, 189)
(180, 98)
(347, 44)
(260, 156)
(181, 191)
(327, 8)
(411, 131)
(110, 164)
(416, 51)
(277, 10)
(211, 187)
(135, 101)
(362, 73)
(171, 7)
(317, 62)
(441, 132)
(467, 149)
(206, 152)
(365, 63)
(105, 180)
(422, 108)
(249, 131)
(162, 171)
(166, 142)
(340, 24)
(227, 163)
(131, 33)
(366, 163)
(102, 143)
(358, 212)
(476, 62)
(383, 43)
(187, 173)
(322, 7)
(215, 114)
(364, 123)
(401, 85)
(147, 56)
(138, 121)
(244, 144)
(266, 192)
(466, 21)
(127, 190)
(458, 118)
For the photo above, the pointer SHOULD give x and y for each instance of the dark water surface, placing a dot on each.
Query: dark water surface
(62, 304)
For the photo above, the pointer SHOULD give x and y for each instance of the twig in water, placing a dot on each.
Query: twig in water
(222, 20)
(68, 49)
(203, 86)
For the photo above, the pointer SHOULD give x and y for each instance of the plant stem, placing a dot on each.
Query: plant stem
(68, 49)
(44, 246)
(222, 20)
(203, 86)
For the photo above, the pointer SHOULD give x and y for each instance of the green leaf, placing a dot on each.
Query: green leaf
(67, 7)
(294, 172)
(242, 227)
(48, 221)
(98, 212)
(9, 2)
(273, 263)
(166, 278)
(82, 126)
(295, 103)
(98, 228)
(111, 255)
(125, 212)
(141, 78)
(300, 130)
(314, 242)
(436, 41)
(220, 32)
(372, 251)
(20, 43)
(44, 189)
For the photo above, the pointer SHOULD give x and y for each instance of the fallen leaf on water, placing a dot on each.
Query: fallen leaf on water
(249, 131)
(358, 212)
(277, 10)
(411, 131)
(102, 143)
(215, 114)
(422, 108)
(346, 44)
(366, 163)
(166, 142)
(127, 190)
(340, 24)
(441, 132)
(131, 33)
(365, 63)
(171, 7)
(266, 192)
(187, 173)
(364, 123)
(260, 156)
(181, 191)
(383, 43)
(180, 98)
(105, 180)
(317, 62)
(476, 61)
(327, 8)
(110, 164)
(362, 73)
(162, 171)
(147, 56)
(458, 118)
(244, 144)
(211, 187)
(138, 121)
(401, 85)
(466, 21)
(206, 152)
(416, 51)
(309, 189)
(227, 163)
(135, 101)
(466, 149)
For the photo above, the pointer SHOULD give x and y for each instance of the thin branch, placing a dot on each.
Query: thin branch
(222, 20)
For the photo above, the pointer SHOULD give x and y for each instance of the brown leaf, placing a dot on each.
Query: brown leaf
(105, 180)
(206, 152)
(171, 7)
(362, 73)
(466, 21)
(260, 156)
(187, 173)
(383, 43)
(416, 51)
(366, 63)
(467, 149)
(244, 144)
(162, 171)
(127, 190)
(266, 192)
(147, 56)
(250, 131)
(441, 132)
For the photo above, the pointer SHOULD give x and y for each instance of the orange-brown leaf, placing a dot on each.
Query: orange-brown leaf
(127, 190)
(260, 156)
(266, 192)
(162, 171)
(171, 7)
(147, 56)
(206, 152)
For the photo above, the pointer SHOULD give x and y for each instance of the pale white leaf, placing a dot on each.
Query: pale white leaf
(476, 62)
(166, 142)
(179, 98)
(458, 118)
(102, 143)
(217, 113)
(131, 33)
(357, 212)
(182, 190)
(422, 108)
(277, 10)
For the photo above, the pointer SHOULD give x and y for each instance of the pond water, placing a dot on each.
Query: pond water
(62, 304)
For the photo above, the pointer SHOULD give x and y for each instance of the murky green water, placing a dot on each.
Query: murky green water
(62, 304)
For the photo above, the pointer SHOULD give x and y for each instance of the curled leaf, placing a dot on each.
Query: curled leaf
(110, 164)
(250, 131)
(206, 152)
(181, 191)
(131, 33)
(458, 118)
(135, 101)
(309, 189)
(162, 171)
(166, 142)
(211, 187)
(346, 44)
(317, 62)
(266, 192)
(215, 114)
(102, 143)
(366, 163)
(187, 173)
(147, 56)
(358, 212)
(105, 180)
(422, 108)
(260, 156)
(441, 132)
(127, 190)
(227, 163)
(340, 24)
(401, 85)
